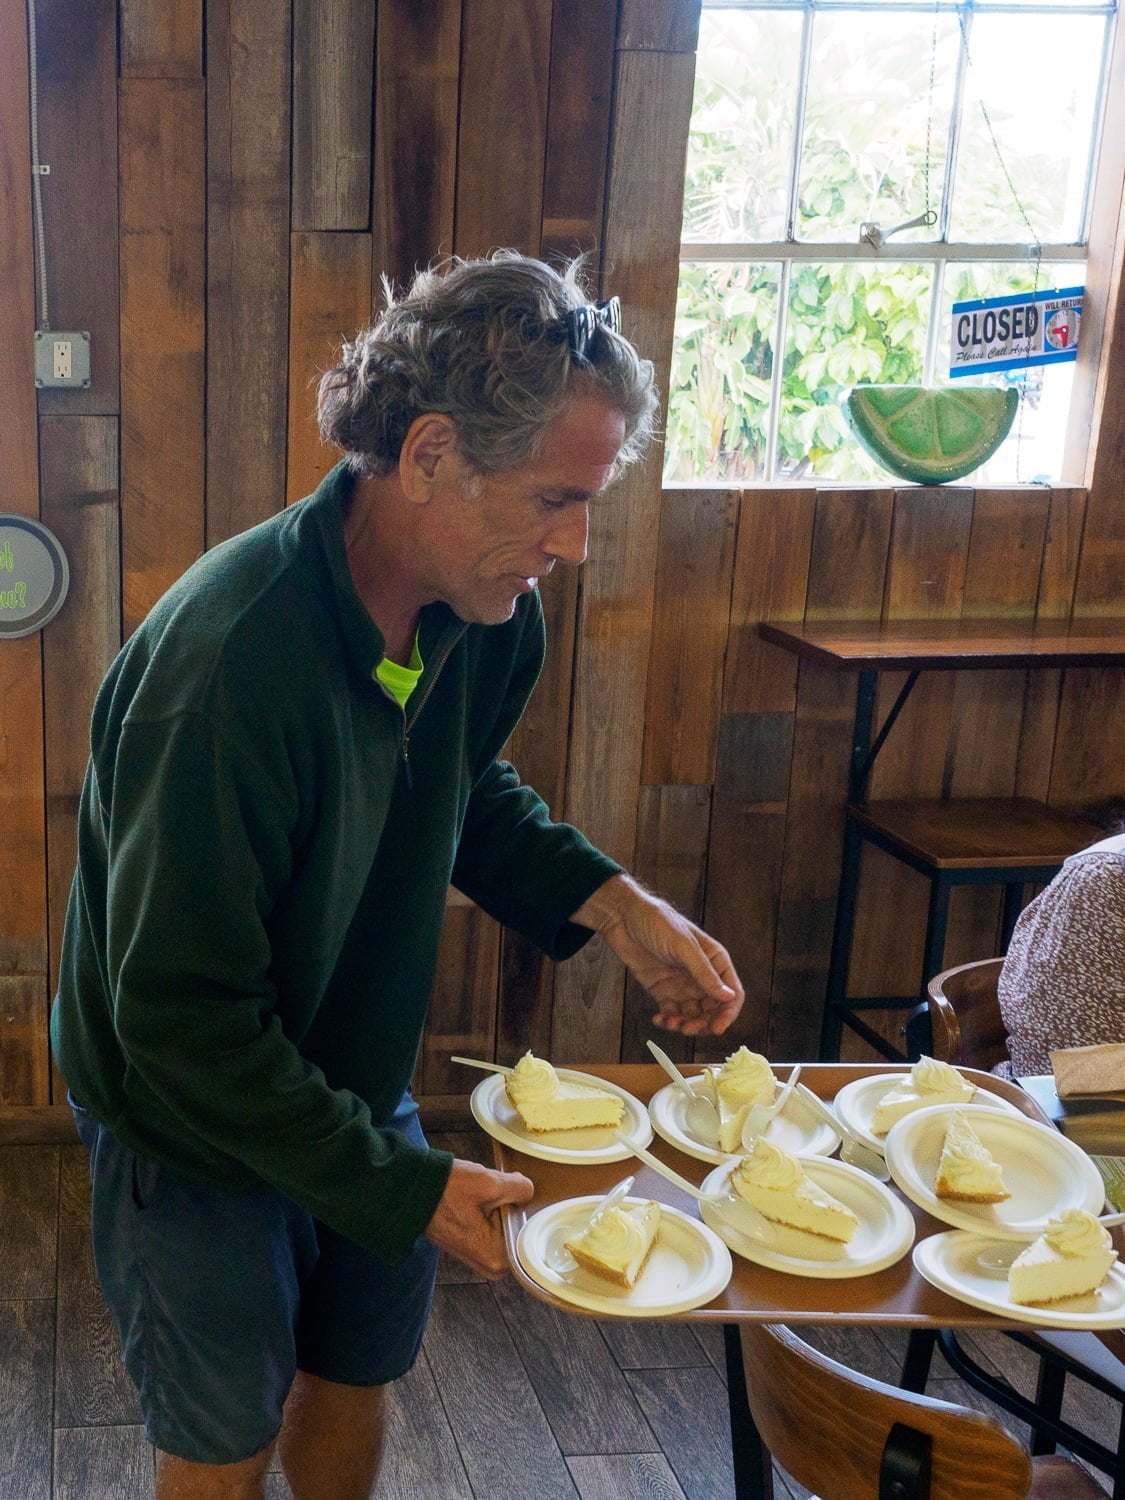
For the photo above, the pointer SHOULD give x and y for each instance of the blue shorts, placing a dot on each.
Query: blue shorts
(220, 1296)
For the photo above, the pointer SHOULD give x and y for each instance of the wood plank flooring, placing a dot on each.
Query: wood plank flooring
(509, 1400)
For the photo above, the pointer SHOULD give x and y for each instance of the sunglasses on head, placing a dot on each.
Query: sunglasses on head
(582, 323)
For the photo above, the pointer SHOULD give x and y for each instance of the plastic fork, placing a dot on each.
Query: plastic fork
(700, 1116)
(853, 1151)
(560, 1259)
(739, 1214)
(761, 1114)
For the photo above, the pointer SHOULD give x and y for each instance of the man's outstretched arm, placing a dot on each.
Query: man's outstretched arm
(688, 974)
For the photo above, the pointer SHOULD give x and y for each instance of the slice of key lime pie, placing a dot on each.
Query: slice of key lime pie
(778, 1186)
(967, 1172)
(1070, 1259)
(618, 1242)
(928, 1082)
(544, 1101)
(744, 1080)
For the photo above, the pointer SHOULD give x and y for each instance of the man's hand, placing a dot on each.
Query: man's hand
(466, 1222)
(688, 974)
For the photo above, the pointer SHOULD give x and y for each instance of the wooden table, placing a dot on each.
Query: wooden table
(897, 1297)
(914, 646)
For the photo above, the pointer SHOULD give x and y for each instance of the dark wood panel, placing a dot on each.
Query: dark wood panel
(329, 300)
(333, 64)
(580, 91)
(538, 748)
(421, 1459)
(651, 108)
(527, 987)
(691, 621)
(23, 943)
(80, 495)
(470, 1351)
(1091, 731)
(462, 1017)
(417, 89)
(24, 1066)
(744, 872)
(26, 1350)
(672, 832)
(18, 307)
(566, 1359)
(1061, 550)
(662, 25)
(161, 38)
(29, 1190)
(505, 64)
(77, 53)
(74, 1184)
(1002, 579)
(847, 571)
(103, 1463)
(248, 110)
(926, 573)
(91, 1384)
(850, 548)
(163, 161)
(771, 572)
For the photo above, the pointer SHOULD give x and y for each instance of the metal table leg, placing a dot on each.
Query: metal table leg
(753, 1466)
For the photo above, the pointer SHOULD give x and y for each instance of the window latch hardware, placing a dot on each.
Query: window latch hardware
(876, 237)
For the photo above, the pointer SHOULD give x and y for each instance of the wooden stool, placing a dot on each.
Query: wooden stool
(1011, 842)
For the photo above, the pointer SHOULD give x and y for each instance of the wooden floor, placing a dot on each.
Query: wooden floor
(510, 1400)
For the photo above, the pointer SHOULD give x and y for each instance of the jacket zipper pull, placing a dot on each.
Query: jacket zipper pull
(406, 764)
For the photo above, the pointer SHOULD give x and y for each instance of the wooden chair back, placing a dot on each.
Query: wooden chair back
(828, 1426)
(965, 1015)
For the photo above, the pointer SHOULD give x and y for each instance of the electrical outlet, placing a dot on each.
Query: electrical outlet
(62, 359)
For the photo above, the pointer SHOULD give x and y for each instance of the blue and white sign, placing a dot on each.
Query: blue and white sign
(1010, 333)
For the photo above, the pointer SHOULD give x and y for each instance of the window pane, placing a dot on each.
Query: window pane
(719, 389)
(741, 136)
(850, 323)
(868, 117)
(1037, 77)
(1033, 450)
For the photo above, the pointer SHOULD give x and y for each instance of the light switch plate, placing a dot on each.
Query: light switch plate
(62, 359)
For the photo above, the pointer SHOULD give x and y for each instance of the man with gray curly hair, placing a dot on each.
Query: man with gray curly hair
(292, 759)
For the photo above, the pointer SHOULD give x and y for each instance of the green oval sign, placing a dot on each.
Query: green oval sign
(34, 576)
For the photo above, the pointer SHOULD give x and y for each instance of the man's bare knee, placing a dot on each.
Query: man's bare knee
(179, 1479)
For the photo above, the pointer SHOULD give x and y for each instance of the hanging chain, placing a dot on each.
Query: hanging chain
(1036, 242)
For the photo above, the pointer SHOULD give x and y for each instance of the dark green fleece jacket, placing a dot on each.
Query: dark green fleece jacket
(265, 843)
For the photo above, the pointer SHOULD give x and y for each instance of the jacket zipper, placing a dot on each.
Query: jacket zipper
(408, 723)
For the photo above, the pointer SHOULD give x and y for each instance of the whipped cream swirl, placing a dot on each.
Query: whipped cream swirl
(533, 1080)
(932, 1077)
(1076, 1232)
(616, 1238)
(768, 1166)
(746, 1078)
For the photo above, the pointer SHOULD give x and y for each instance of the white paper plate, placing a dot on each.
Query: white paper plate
(493, 1112)
(797, 1129)
(855, 1103)
(688, 1264)
(885, 1233)
(948, 1261)
(1043, 1171)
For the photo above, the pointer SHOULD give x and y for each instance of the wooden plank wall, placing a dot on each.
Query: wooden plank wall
(225, 196)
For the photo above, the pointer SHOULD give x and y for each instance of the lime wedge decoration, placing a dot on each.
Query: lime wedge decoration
(930, 436)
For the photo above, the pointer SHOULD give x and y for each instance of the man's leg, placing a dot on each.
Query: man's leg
(178, 1479)
(331, 1443)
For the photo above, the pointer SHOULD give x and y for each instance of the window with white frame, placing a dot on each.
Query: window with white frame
(854, 168)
